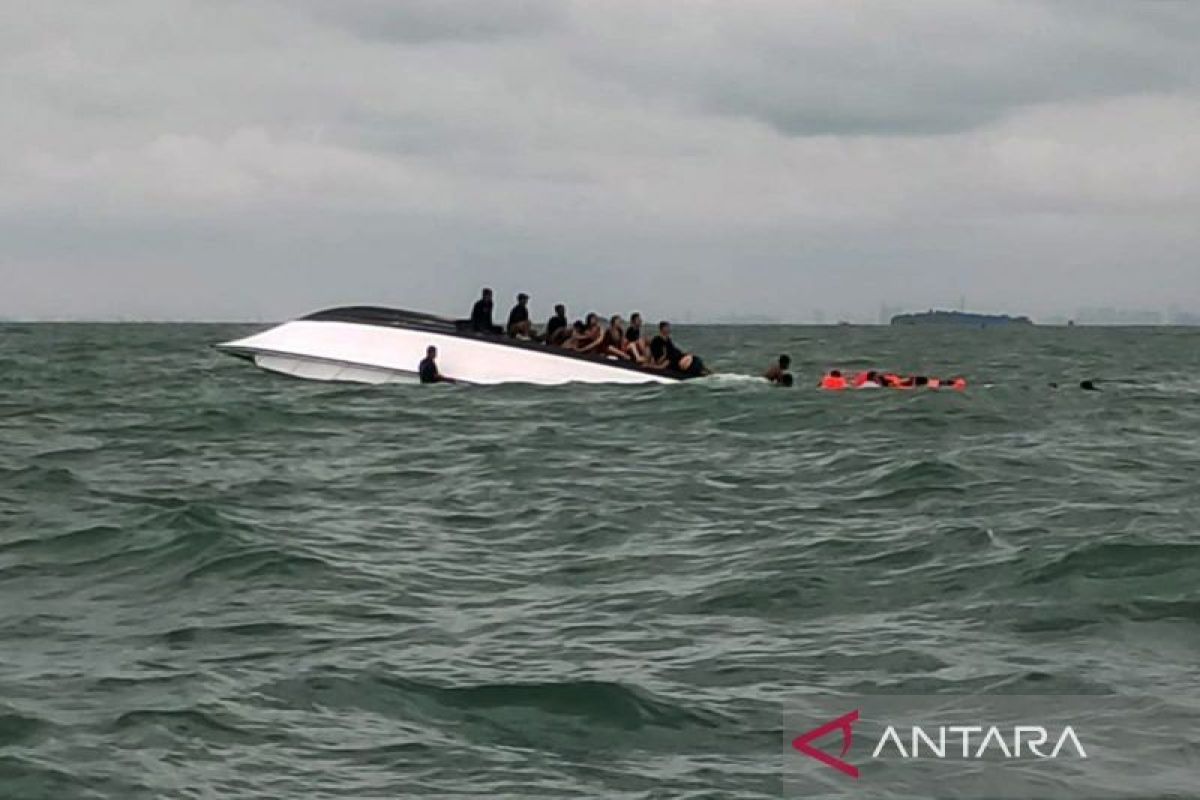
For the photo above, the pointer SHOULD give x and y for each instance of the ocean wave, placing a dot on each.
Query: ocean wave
(19, 729)
(32, 778)
(600, 703)
(39, 478)
(188, 723)
(87, 538)
(256, 564)
(1110, 560)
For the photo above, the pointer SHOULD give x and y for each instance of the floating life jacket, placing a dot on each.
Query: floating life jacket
(889, 379)
(958, 383)
(832, 381)
(859, 379)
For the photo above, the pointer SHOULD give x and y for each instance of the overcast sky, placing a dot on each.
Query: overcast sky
(249, 159)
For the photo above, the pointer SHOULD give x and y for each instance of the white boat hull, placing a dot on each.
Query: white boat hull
(329, 350)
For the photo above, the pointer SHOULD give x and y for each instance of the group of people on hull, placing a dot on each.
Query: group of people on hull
(834, 380)
(616, 340)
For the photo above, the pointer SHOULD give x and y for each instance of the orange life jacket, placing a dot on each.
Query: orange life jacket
(934, 383)
(833, 382)
(859, 378)
(958, 383)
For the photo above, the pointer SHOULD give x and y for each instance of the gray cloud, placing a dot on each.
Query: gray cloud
(934, 67)
(429, 21)
(226, 160)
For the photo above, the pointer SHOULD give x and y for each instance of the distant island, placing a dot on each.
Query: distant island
(958, 318)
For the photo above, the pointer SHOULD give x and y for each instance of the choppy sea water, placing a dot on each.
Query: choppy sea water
(216, 582)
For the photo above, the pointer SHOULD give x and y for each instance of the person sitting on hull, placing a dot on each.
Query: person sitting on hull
(558, 329)
(665, 354)
(776, 372)
(614, 338)
(635, 345)
(481, 314)
(428, 369)
(518, 326)
(593, 337)
(575, 338)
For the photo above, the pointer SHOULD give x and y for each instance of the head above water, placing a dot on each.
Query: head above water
(835, 373)
(785, 361)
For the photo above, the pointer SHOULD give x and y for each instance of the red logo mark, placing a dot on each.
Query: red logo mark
(842, 723)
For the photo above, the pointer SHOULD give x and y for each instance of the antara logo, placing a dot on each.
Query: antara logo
(977, 742)
(842, 723)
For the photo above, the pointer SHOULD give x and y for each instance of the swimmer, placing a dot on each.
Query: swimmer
(776, 372)
(833, 380)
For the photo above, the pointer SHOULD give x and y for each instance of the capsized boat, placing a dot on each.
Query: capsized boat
(368, 344)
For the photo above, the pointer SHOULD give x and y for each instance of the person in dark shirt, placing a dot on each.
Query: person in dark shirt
(429, 369)
(635, 345)
(664, 354)
(776, 372)
(481, 314)
(557, 328)
(518, 319)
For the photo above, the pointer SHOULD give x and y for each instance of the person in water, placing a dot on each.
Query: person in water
(481, 314)
(776, 372)
(557, 327)
(665, 354)
(868, 379)
(833, 380)
(518, 326)
(428, 369)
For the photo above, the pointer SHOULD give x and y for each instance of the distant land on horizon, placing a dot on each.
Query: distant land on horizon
(932, 317)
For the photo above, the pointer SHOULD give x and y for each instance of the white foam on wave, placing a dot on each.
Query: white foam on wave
(732, 377)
